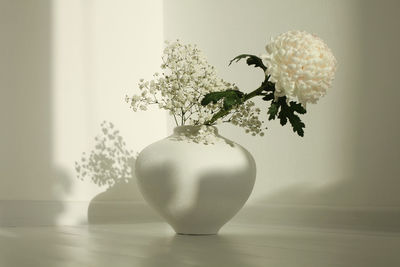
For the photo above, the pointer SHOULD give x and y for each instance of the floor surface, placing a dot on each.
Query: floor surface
(155, 245)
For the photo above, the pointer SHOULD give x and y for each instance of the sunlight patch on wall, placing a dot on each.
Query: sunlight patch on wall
(100, 51)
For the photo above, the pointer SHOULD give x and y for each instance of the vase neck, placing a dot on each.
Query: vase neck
(193, 130)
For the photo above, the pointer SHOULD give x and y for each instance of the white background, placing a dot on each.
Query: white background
(66, 66)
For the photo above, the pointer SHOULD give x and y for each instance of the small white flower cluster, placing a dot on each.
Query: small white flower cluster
(185, 79)
(247, 117)
(203, 135)
(109, 162)
(301, 65)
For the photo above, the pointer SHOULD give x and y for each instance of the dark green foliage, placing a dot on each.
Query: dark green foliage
(251, 60)
(297, 107)
(282, 117)
(268, 97)
(287, 112)
(297, 124)
(273, 111)
(279, 108)
(230, 98)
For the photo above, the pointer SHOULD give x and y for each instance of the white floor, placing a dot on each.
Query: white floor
(154, 244)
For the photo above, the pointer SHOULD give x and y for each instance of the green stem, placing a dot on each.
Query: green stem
(183, 117)
(176, 122)
(224, 112)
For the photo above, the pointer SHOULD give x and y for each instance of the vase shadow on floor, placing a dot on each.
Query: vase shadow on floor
(179, 250)
(122, 203)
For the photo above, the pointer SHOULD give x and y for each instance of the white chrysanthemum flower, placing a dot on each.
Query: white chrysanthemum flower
(301, 65)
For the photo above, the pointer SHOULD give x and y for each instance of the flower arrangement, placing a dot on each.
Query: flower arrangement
(299, 68)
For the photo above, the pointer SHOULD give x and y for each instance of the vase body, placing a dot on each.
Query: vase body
(195, 187)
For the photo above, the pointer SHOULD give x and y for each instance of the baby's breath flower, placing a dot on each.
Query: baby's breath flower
(247, 117)
(185, 78)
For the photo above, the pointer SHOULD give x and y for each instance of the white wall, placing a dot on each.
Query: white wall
(347, 160)
(68, 66)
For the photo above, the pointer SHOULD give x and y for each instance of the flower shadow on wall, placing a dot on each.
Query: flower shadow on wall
(111, 164)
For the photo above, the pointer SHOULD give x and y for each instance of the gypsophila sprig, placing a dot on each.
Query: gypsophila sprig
(247, 117)
(185, 78)
(110, 161)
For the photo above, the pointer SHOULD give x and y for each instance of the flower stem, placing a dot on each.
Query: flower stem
(176, 122)
(183, 117)
(224, 112)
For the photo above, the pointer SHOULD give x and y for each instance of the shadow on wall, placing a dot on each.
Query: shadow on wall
(111, 164)
(30, 185)
(368, 196)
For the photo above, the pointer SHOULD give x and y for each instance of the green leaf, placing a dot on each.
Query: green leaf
(282, 117)
(297, 107)
(213, 97)
(268, 97)
(297, 124)
(251, 60)
(273, 111)
(287, 112)
(230, 101)
(230, 98)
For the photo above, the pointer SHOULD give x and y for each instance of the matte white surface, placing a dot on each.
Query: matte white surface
(196, 187)
(155, 244)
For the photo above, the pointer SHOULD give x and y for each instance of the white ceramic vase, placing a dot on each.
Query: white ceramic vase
(196, 187)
